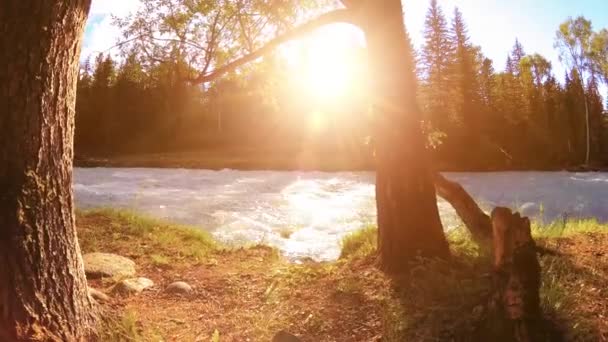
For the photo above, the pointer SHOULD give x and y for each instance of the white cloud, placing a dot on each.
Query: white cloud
(100, 33)
(100, 36)
(115, 7)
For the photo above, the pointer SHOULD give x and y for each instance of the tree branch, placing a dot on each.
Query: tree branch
(477, 222)
(341, 15)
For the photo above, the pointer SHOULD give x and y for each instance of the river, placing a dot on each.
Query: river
(306, 214)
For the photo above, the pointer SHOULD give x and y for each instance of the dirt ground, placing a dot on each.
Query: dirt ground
(250, 294)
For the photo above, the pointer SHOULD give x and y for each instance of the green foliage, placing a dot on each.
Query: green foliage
(360, 243)
(521, 117)
(567, 227)
(363, 242)
(207, 33)
(161, 242)
(124, 327)
(438, 300)
(599, 53)
(474, 116)
(216, 336)
(436, 59)
(573, 40)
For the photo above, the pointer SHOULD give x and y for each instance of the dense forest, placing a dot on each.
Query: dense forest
(476, 115)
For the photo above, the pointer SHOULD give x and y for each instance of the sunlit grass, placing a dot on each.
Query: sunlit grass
(124, 327)
(435, 300)
(360, 243)
(439, 298)
(364, 241)
(161, 242)
(567, 227)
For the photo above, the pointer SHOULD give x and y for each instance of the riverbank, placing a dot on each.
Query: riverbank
(243, 159)
(236, 159)
(249, 294)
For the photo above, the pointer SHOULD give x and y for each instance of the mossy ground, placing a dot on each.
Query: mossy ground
(251, 293)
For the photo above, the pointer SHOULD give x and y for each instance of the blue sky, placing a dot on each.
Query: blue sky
(493, 25)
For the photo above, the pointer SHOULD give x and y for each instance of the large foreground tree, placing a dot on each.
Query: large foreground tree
(408, 218)
(43, 289)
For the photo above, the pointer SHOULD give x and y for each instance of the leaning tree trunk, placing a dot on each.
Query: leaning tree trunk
(43, 289)
(475, 220)
(408, 219)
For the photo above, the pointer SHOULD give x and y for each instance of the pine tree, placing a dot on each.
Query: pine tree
(102, 104)
(436, 59)
(105, 72)
(516, 56)
(509, 65)
(574, 99)
(487, 84)
(464, 77)
(596, 109)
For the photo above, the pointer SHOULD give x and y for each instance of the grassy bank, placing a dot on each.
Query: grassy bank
(251, 293)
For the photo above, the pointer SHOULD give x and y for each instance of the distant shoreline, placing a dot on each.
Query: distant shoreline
(214, 160)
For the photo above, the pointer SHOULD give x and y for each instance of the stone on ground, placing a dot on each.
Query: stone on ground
(98, 295)
(132, 286)
(179, 287)
(99, 265)
(284, 336)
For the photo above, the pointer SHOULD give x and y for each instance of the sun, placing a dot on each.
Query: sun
(328, 65)
(329, 76)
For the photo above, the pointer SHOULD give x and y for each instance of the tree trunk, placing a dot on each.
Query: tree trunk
(43, 289)
(475, 220)
(408, 218)
(514, 309)
(587, 130)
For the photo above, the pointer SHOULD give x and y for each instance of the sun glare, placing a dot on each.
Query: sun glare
(328, 64)
(327, 76)
(318, 121)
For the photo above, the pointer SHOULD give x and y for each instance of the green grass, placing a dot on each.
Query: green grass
(286, 232)
(124, 327)
(435, 300)
(567, 227)
(363, 242)
(160, 260)
(360, 243)
(161, 242)
(439, 298)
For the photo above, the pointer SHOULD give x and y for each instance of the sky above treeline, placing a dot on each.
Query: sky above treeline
(493, 25)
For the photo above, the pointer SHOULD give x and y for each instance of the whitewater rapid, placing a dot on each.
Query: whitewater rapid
(306, 214)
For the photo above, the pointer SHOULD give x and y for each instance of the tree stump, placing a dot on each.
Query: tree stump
(515, 303)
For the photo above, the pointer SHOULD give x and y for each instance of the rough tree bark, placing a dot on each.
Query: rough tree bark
(408, 218)
(515, 313)
(43, 289)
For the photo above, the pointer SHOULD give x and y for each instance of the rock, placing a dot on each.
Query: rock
(529, 209)
(283, 336)
(98, 265)
(179, 287)
(132, 286)
(98, 295)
